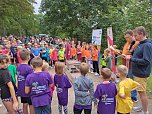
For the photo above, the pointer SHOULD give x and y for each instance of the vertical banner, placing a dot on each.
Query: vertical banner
(110, 43)
(96, 40)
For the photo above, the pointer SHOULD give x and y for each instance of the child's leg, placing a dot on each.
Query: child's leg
(65, 108)
(25, 108)
(38, 110)
(9, 107)
(47, 109)
(31, 109)
(77, 111)
(87, 111)
(60, 109)
(97, 66)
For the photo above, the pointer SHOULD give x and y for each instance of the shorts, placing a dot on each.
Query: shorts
(142, 82)
(26, 100)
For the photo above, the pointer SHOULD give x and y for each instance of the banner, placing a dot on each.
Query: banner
(110, 43)
(96, 36)
(96, 40)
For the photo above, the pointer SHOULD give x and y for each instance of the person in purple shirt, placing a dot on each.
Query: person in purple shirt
(62, 84)
(22, 71)
(106, 93)
(38, 85)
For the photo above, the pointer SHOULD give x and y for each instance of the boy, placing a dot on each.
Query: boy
(105, 93)
(84, 91)
(38, 85)
(23, 70)
(124, 101)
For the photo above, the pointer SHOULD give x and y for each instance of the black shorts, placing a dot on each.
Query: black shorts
(26, 100)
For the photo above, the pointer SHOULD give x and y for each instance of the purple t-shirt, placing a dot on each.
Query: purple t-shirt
(22, 71)
(62, 83)
(39, 88)
(106, 94)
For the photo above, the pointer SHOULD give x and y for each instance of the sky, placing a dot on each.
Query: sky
(36, 6)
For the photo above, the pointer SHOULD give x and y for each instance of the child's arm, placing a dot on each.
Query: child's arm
(135, 85)
(92, 92)
(67, 83)
(27, 89)
(80, 93)
(12, 92)
(121, 92)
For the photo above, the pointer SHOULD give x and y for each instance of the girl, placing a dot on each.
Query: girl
(7, 87)
(79, 52)
(54, 55)
(108, 58)
(88, 57)
(73, 51)
(50, 53)
(95, 60)
(38, 85)
(62, 84)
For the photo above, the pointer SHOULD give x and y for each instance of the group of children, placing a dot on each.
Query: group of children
(35, 85)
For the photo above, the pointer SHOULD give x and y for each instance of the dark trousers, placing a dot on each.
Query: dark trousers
(43, 109)
(122, 113)
(78, 111)
(95, 67)
(83, 59)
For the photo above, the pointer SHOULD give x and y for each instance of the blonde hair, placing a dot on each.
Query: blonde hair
(45, 66)
(106, 73)
(122, 69)
(59, 68)
(84, 68)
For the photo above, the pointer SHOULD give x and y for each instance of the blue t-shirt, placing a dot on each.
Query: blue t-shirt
(36, 51)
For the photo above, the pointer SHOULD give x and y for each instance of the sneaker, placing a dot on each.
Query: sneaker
(96, 74)
(143, 112)
(92, 72)
(137, 109)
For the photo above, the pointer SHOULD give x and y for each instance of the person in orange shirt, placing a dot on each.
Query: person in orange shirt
(95, 60)
(88, 57)
(73, 51)
(83, 51)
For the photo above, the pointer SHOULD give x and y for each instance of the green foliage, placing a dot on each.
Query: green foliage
(77, 18)
(17, 17)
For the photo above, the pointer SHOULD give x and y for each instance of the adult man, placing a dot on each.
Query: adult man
(141, 64)
(128, 49)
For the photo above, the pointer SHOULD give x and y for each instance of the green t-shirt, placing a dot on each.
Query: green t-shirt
(12, 70)
(61, 54)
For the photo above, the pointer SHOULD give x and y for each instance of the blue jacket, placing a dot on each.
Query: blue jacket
(142, 59)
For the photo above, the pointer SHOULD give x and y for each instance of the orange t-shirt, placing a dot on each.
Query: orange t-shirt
(73, 51)
(95, 55)
(87, 54)
(83, 52)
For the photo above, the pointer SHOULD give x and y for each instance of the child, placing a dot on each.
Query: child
(73, 51)
(88, 57)
(54, 55)
(61, 54)
(84, 91)
(108, 58)
(12, 70)
(62, 84)
(50, 53)
(95, 60)
(22, 71)
(45, 68)
(106, 93)
(83, 51)
(7, 88)
(79, 52)
(38, 85)
(36, 50)
(124, 101)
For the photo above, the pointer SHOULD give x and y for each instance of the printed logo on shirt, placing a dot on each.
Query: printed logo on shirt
(59, 90)
(106, 100)
(20, 77)
(38, 89)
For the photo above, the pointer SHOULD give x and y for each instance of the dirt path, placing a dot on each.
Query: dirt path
(71, 98)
